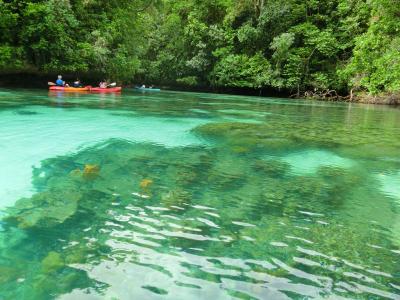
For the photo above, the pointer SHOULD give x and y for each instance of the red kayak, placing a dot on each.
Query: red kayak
(70, 88)
(107, 90)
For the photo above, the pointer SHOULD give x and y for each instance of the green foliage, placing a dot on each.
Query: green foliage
(188, 81)
(281, 45)
(306, 43)
(73, 36)
(376, 61)
(292, 44)
(242, 71)
(11, 57)
(48, 35)
(8, 20)
(122, 66)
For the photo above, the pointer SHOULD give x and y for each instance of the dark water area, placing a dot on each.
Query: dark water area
(175, 195)
(39, 81)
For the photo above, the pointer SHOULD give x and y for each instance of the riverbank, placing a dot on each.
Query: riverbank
(353, 97)
(389, 99)
(35, 80)
(383, 99)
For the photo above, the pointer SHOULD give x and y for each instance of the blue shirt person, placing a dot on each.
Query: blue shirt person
(59, 81)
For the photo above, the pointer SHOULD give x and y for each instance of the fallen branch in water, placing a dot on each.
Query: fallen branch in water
(329, 95)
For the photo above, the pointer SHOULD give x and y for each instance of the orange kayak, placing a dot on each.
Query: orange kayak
(69, 89)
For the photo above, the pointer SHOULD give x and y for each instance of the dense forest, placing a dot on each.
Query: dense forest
(296, 46)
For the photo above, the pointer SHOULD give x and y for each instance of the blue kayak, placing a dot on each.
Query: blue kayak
(147, 89)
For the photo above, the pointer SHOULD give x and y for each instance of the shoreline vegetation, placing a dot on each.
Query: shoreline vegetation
(338, 50)
(353, 97)
(39, 81)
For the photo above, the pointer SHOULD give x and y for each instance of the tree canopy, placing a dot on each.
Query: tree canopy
(295, 45)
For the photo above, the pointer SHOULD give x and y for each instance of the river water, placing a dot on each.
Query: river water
(197, 196)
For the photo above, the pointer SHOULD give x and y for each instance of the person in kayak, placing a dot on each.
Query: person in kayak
(59, 81)
(77, 83)
(103, 84)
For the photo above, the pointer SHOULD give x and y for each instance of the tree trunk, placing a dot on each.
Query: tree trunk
(258, 6)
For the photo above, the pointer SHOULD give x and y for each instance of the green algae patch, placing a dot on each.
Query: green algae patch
(227, 128)
(45, 209)
(271, 167)
(7, 274)
(155, 290)
(52, 262)
(282, 133)
(176, 198)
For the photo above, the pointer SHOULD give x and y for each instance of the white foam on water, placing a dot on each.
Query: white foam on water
(44, 132)
(308, 162)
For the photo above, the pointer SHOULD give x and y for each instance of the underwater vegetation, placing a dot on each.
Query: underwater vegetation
(285, 133)
(274, 201)
(145, 183)
(91, 171)
(218, 214)
(46, 209)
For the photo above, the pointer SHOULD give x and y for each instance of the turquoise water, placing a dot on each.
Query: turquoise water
(197, 196)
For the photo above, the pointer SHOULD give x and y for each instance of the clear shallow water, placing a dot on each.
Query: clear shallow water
(197, 196)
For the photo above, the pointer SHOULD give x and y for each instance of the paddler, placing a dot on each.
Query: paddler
(103, 84)
(59, 81)
(77, 83)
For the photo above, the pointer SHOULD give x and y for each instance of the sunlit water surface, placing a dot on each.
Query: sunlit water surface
(197, 196)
